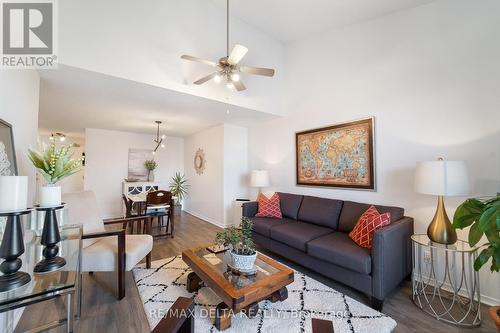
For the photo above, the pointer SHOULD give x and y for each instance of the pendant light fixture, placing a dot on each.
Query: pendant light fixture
(159, 139)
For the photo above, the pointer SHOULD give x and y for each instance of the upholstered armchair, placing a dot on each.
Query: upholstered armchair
(107, 251)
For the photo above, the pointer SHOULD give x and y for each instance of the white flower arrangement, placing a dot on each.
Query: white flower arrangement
(55, 164)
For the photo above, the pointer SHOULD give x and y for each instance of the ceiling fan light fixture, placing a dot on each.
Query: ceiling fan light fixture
(230, 85)
(235, 77)
(217, 78)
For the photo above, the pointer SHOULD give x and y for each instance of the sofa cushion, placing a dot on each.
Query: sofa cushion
(290, 204)
(352, 211)
(297, 234)
(320, 211)
(337, 248)
(269, 206)
(263, 225)
(371, 220)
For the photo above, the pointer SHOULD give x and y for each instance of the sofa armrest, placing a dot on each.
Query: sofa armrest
(250, 208)
(391, 256)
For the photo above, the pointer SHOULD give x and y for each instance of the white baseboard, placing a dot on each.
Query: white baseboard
(205, 218)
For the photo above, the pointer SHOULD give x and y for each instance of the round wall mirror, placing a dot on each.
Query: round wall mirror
(199, 161)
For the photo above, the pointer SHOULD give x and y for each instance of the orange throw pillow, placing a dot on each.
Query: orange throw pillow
(371, 220)
(269, 207)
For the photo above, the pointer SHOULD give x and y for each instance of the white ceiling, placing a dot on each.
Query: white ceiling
(290, 20)
(73, 99)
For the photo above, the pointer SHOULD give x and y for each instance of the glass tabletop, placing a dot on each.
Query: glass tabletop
(219, 262)
(458, 246)
(45, 284)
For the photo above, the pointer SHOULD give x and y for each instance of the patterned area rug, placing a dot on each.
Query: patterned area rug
(160, 286)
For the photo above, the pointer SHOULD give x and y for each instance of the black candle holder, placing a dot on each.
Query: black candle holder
(50, 239)
(11, 249)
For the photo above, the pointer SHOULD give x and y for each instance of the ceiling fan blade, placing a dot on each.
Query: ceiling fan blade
(239, 85)
(257, 70)
(203, 61)
(237, 54)
(205, 78)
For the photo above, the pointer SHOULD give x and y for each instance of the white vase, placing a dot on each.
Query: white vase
(242, 262)
(13, 193)
(50, 196)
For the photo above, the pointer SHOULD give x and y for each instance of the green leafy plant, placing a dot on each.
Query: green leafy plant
(239, 239)
(179, 186)
(150, 165)
(55, 164)
(482, 215)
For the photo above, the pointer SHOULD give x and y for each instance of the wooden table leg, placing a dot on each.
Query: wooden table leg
(251, 310)
(193, 282)
(279, 296)
(223, 316)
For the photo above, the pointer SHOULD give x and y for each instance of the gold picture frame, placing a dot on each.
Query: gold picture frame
(340, 155)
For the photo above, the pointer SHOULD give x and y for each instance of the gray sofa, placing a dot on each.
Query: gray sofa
(314, 233)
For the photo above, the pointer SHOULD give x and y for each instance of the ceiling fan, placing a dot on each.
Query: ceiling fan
(228, 67)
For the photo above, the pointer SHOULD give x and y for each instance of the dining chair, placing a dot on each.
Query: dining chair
(130, 211)
(107, 251)
(160, 204)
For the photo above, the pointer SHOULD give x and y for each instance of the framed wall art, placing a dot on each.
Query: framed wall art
(8, 165)
(340, 155)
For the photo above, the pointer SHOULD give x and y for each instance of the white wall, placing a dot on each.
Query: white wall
(212, 193)
(431, 78)
(107, 164)
(206, 191)
(19, 95)
(19, 91)
(143, 41)
(235, 169)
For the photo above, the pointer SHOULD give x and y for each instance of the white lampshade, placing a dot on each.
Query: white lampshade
(442, 177)
(259, 178)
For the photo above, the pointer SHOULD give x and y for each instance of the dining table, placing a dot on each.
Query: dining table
(139, 202)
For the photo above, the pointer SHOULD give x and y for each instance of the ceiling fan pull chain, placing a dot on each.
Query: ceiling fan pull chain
(227, 28)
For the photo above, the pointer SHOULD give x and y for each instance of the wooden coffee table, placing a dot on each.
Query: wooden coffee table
(238, 293)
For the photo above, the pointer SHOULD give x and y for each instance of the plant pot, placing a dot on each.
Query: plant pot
(177, 209)
(50, 196)
(494, 312)
(242, 262)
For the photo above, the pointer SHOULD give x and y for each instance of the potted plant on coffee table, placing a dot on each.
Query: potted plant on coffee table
(241, 245)
(54, 164)
(483, 217)
(178, 187)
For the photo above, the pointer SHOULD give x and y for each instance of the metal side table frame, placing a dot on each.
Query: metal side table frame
(52, 285)
(445, 284)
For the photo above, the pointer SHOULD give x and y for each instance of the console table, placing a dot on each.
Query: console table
(445, 284)
(46, 286)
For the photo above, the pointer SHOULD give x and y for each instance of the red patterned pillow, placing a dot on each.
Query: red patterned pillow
(371, 220)
(269, 207)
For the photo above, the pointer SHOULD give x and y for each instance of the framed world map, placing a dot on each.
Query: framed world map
(337, 156)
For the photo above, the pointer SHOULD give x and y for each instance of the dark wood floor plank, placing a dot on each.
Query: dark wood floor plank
(102, 312)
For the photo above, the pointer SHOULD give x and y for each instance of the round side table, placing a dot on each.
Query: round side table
(445, 284)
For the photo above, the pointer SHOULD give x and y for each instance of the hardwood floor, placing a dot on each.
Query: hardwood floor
(101, 312)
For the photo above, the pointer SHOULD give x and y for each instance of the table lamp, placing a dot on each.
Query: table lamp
(259, 178)
(442, 178)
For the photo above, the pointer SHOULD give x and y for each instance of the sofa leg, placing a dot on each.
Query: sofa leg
(148, 260)
(377, 303)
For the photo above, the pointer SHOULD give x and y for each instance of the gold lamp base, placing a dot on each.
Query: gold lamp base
(440, 230)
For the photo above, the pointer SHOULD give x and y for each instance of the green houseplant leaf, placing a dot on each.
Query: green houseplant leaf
(483, 218)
